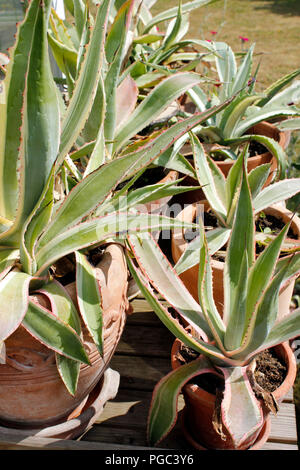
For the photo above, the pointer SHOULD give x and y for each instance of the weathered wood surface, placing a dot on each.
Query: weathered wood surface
(142, 358)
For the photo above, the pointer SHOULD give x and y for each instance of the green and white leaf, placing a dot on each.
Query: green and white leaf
(89, 299)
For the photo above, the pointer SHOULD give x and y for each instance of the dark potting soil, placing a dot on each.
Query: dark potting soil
(209, 219)
(150, 176)
(269, 373)
(255, 148)
(267, 223)
(273, 224)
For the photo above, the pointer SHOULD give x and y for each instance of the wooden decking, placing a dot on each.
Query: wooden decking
(142, 358)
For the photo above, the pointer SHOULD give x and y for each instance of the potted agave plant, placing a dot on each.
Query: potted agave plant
(128, 115)
(224, 349)
(63, 282)
(219, 202)
(250, 117)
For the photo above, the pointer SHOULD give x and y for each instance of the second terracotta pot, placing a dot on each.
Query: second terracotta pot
(200, 404)
(190, 276)
(263, 128)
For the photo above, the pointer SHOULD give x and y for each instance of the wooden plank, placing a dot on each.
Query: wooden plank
(283, 425)
(279, 446)
(143, 314)
(140, 373)
(11, 442)
(145, 341)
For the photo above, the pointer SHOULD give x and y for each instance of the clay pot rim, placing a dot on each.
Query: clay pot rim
(279, 393)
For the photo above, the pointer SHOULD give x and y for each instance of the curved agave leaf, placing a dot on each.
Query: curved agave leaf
(241, 412)
(54, 333)
(259, 277)
(163, 409)
(172, 13)
(205, 293)
(257, 178)
(171, 323)
(14, 297)
(163, 277)
(275, 193)
(11, 106)
(241, 240)
(155, 102)
(116, 44)
(61, 304)
(89, 299)
(273, 89)
(66, 58)
(146, 194)
(215, 238)
(262, 114)
(8, 258)
(286, 329)
(231, 121)
(87, 194)
(62, 307)
(243, 73)
(226, 68)
(264, 317)
(86, 86)
(273, 146)
(173, 160)
(289, 125)
(210, 178)
(40, 110)
(98, 230)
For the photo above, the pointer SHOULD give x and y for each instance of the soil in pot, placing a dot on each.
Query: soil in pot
(150, 176)
(270, 224)
(269, 373)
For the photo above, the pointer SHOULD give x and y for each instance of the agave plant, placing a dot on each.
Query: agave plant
(249, 108)
(230, 343)
(130, 107)
(221, 194)
(158, 54)
(40, 225)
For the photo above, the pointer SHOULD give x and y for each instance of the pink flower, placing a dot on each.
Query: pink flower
(252, 80)
(208, 40)
(243, 39)
(213, 32)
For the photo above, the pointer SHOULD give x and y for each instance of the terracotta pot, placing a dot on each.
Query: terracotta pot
(199, 407)
(190, 277)
(264, 128)
(32, 393)
(82, 418)
(258, 444)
